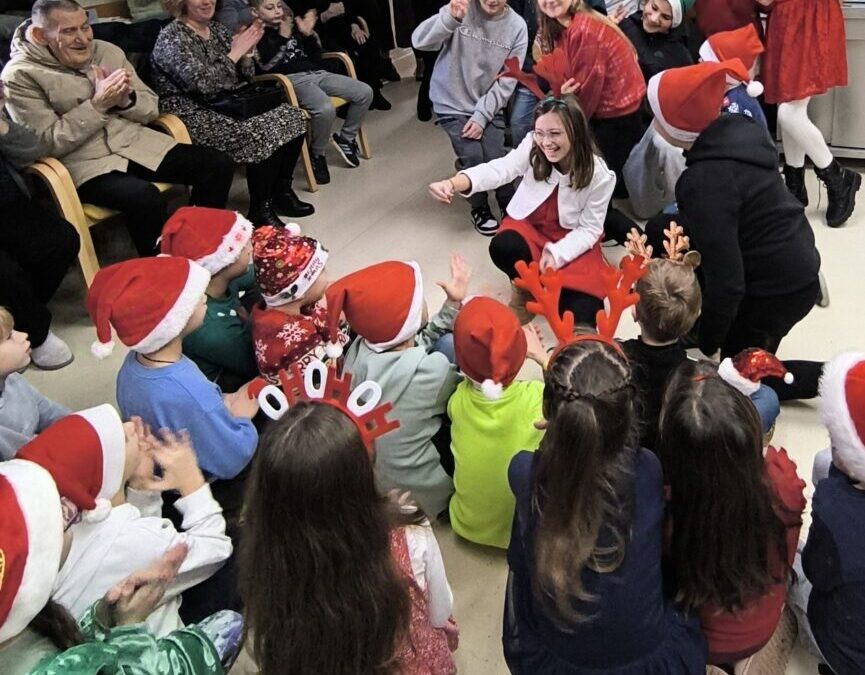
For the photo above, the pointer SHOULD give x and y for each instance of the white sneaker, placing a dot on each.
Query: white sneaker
(52, 354)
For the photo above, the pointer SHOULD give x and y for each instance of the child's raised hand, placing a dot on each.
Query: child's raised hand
(620, 13)
(176, 458)
(307, 24)
(535, 349)
(239, 403)
(569, 86)
(458, 285)
(458, 9)
(442, 191)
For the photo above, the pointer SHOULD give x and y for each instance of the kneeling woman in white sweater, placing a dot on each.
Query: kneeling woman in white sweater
(556, 217)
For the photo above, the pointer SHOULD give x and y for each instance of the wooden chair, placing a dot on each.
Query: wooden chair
(84, 216)
(336, 101)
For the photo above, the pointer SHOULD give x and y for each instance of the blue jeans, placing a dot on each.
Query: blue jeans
(768, 406)
(445, 345)
(523, 106)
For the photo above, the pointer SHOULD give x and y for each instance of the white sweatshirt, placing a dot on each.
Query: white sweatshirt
(429, 572)
(132, 537)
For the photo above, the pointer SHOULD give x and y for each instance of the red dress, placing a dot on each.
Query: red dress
(806, 50)
(542, 226)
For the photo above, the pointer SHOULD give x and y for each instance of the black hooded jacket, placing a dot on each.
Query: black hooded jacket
(752, 233)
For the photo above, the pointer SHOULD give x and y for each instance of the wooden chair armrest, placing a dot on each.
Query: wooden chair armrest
(59, 183)
(174, 127)
(285, 83)
(345, 59)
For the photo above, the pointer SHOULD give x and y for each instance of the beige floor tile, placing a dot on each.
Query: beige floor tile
(381, 210)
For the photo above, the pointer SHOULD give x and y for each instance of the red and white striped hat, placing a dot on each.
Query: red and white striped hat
(842, 406)
(31, 540)
(214, 238)
(148, 301)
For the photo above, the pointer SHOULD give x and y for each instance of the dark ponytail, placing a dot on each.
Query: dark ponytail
(583, 468)
(56, 623)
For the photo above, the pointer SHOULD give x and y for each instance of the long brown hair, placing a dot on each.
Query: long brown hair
(55, 623)
(549, 30)
(726, 537)
(580, 162)
(583, 470)
(321, 590)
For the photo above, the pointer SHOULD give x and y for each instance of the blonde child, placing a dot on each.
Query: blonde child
(24, 412)
(492, 417)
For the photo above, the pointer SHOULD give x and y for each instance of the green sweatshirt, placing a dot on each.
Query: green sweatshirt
(485, 435)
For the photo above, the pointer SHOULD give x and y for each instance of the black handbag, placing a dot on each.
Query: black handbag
(247, 100)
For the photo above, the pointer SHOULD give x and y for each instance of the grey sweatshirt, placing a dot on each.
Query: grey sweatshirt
(473, 52)
(24, 412)
(651, 173)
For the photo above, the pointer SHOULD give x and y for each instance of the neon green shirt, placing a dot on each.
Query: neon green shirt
(485, 435)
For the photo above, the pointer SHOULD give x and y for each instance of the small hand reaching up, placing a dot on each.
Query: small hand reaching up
(457, 287)
(535, 349)
(175, 456)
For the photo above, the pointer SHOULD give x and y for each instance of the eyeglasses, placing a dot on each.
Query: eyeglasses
(554, 135)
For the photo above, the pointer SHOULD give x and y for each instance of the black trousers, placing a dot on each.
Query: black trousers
(209, 172)
(507, 247)
(616, 137)
(36, 249)
(266, 178)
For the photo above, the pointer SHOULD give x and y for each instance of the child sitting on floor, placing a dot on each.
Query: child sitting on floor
(657, 33)
(112, 537)
(218, 240)
(24, 412)
(335, 577)
(734, 518)
(153, 303)
(290, 324)
(411, 358)
(743, 44)
(475, 38)
(290, 46)
(492, 417)
(832, 594)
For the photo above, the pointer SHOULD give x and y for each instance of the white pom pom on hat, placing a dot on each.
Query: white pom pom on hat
(788, 378)
(294, 228)
(100, 513)
(492, 390)
(333, 350)
(102, 350)
(754, 89)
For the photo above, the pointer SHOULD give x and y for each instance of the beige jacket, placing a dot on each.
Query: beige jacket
(54, 101)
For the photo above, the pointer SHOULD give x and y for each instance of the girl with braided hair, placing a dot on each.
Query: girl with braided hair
(584, 592)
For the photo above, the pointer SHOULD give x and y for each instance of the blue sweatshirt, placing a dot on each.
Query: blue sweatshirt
(178, 397)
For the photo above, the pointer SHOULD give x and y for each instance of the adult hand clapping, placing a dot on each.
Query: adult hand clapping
(244, 42)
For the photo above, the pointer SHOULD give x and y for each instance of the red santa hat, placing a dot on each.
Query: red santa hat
(31, 540)
(214, 238)
(743, 44)
(842, 392)
(286, 264)
(745, 370)
(687, 100)
(86, 454)
(490, 345)
(383, 303)
(149, 301)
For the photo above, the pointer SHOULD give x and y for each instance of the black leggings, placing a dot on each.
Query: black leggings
(263, 178)
(507, 247)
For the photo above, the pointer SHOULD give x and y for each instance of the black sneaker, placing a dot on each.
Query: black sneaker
(348, 150)
(320, 170)
(379, 102)
(484, 222)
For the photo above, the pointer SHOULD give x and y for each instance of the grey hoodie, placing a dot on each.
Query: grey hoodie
(418, 384)
(473, 52)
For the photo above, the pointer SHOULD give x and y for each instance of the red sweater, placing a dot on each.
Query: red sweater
(604, 63)
(752, 627)
(715, 16)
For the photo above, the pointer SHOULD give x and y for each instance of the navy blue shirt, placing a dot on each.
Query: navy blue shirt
(834, 562)
(632, 629)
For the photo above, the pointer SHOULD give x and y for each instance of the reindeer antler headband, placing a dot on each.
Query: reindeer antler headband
(553, 67)
(676, 246)
(546, 288)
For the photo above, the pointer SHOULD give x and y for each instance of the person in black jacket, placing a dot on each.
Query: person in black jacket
(659, 36)
(290, 46)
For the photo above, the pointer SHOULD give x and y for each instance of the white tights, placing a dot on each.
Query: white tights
(801, 137)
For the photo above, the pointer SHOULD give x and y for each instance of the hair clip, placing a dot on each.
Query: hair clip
(321, 384)
(546, 288)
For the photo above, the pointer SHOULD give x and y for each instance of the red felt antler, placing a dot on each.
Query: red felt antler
(545, 289)
(555, 69)
(529, 81)
(619, 282)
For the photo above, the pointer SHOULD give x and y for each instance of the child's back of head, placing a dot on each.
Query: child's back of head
(727, 540)
(670, 301)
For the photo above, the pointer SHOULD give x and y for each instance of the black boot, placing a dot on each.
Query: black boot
(263, 213)
(841, 184)
(794, 177)
(289, 204)
(379, 102)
